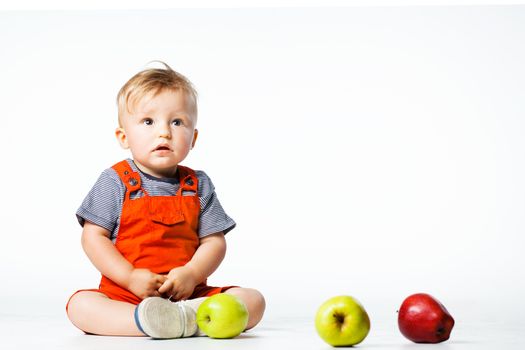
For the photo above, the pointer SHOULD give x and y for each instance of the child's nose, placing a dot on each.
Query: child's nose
(164, 131)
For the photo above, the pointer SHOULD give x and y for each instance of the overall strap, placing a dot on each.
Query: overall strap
(130, 178)
(188, 179)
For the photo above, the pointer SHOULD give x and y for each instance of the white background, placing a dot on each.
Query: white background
(370, 151)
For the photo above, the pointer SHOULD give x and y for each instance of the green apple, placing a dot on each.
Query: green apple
(222, 316)
(342, 321)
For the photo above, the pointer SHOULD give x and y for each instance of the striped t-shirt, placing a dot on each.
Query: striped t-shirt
(103, 204)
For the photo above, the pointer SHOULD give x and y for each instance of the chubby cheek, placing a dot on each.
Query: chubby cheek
(184, 140)
(135, 143)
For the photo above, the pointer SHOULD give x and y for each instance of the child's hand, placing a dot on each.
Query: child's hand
(144, 283)
(179, 284)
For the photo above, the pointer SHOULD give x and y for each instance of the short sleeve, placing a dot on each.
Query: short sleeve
(103, 204)
(213, 218)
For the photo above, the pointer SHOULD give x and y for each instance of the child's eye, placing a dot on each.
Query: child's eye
(147, 121)
(177, 122)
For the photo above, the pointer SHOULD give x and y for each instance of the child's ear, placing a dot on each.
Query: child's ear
(122, 138)
(195, 134)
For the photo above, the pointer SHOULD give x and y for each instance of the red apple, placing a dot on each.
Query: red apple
(423, 319)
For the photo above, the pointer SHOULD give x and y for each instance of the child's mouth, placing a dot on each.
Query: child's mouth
(162, 148)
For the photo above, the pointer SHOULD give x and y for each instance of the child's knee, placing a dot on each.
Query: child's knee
(257, 300)
(254, 301)
(75, 307)
(256, 307)
(78, 308)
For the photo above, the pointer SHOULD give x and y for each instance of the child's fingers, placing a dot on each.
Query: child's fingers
(159, 281)
(166, 287)
(161, 278)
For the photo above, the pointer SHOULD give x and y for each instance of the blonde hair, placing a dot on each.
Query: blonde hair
(155, 80)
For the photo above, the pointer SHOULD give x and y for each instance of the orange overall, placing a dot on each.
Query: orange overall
(158, 233)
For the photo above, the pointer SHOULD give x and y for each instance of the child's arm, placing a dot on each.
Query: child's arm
(108, 260)
(182, 280)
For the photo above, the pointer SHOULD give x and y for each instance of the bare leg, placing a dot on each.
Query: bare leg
(254, 301)
(95, 313)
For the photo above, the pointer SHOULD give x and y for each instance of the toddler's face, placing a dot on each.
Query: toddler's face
(159, 131)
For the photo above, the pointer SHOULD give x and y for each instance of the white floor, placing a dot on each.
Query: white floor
(52, 330)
